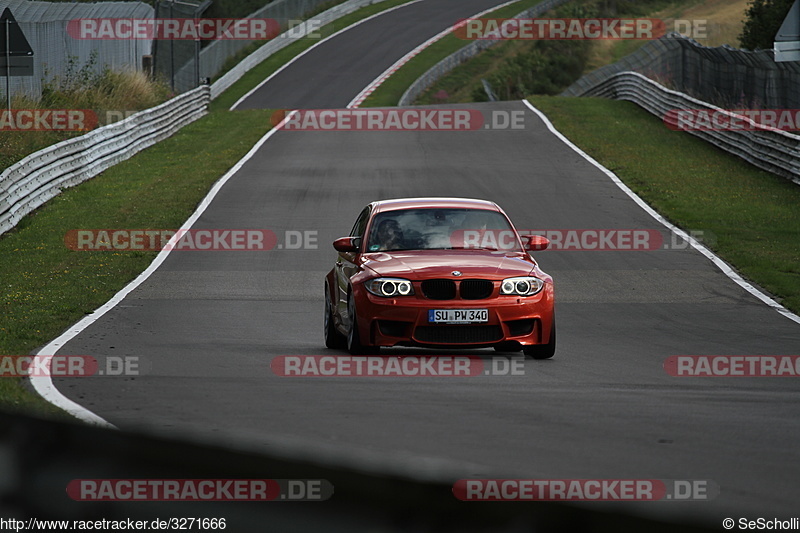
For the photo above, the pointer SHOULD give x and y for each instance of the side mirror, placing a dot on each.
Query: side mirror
(535, 242)
(346, 244)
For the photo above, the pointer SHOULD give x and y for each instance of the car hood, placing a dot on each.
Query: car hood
(428, 264)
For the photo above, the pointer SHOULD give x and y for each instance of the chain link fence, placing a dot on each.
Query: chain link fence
(55, 52)
(175, 61)
(724, 76)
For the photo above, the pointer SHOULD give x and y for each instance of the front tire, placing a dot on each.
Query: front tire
(543, 351)
(333, 339)
(354, 345)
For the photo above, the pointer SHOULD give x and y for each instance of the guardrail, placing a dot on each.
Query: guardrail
(724, 75)
(280, 42)
(447, 64)
(31, 182)
(772, 150)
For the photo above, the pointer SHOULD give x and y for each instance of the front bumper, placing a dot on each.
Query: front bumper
(403, 321)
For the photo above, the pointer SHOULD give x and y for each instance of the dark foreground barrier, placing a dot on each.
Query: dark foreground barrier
(39, 459)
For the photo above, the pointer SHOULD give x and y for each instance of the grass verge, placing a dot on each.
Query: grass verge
(45, 287)
(751, 213)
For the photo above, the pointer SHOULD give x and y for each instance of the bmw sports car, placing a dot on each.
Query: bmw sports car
(438, 273)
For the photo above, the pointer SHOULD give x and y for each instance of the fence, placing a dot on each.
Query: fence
(447, 64)
(45, 26)
(169, 55)
(723, 75)
(772, 150)
(26, 185)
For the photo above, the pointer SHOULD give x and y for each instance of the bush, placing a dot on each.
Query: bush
(764, 19)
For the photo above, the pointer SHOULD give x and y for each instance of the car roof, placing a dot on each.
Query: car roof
(423, 203)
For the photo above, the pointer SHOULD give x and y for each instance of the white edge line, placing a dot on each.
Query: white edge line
(386, 74)
(307, 50)
(44, 384)
(722, 265)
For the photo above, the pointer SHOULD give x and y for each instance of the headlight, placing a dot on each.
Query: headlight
(527, 286)
(388, 287)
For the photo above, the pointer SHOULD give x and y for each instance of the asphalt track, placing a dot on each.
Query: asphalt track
(331, 75)
(207, 324)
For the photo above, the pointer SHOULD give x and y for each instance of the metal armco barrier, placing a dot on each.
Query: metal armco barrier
(31, 182)
(447, 64)
(772, 150)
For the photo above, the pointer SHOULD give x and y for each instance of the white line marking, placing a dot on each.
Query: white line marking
(304, 52)
(377, 82)
(722, 265)
(43, 384)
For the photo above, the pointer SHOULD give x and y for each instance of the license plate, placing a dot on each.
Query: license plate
(458, 316)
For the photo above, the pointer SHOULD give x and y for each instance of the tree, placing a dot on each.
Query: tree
(762, 22)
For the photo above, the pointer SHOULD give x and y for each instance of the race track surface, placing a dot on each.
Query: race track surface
(206, 325)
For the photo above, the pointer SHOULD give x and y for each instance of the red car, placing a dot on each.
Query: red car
(438, 273)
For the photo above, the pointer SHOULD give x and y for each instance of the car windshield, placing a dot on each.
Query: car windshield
(441, 229)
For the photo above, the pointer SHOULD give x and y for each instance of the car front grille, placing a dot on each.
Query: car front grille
(458, 334)
(475, 289)
(439, 289)
(468, 289)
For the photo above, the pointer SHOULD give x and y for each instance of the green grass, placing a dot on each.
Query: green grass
(752, 214)
(45, 287)
(390, 92)
(459, 85)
